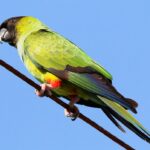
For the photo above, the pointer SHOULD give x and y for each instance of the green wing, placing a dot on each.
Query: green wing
(48, 50)
(54, 51)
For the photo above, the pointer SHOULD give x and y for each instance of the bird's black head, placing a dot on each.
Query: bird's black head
(7, 30)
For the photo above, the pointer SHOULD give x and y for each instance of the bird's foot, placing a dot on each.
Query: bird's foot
(44, 88)
(72, 112)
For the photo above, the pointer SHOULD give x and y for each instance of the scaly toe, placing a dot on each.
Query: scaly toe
(72, 115)
(39, 93)
(44, 87)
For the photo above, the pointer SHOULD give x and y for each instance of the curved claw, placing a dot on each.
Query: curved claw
(72, 113)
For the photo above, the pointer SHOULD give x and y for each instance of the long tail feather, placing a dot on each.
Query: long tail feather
(110, 116)
(126, 118)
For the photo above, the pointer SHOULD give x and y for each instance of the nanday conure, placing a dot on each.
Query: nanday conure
(67, 71)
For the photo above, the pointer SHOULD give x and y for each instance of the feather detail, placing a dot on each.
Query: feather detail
(126, 118)
(53, 81)
(110, 116)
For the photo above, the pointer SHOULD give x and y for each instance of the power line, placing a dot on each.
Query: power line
(63, 104)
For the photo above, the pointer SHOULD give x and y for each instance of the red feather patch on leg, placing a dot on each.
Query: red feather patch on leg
(54, 83)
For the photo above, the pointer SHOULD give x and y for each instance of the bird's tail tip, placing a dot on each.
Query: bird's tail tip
(121, 114)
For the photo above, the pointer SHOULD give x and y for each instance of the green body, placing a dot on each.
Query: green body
(51, 50)
(41, 49)
(57, 53)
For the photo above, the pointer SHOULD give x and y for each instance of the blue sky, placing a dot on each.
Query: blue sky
(114, 33)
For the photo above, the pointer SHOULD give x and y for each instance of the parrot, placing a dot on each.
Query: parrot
(66, 71)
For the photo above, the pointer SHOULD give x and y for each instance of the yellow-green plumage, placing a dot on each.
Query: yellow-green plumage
(42, 51)
(55, 49)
